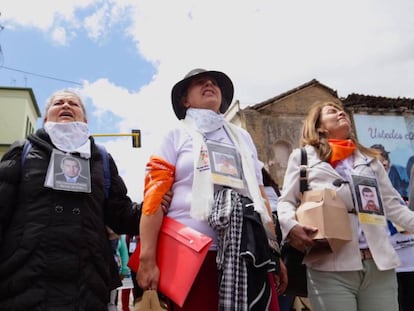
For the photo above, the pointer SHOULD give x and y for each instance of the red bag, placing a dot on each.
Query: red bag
(180, 254)
(274, 301)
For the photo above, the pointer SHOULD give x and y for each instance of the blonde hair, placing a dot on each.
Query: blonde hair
(311, 135)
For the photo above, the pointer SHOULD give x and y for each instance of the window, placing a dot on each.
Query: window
(29, 127)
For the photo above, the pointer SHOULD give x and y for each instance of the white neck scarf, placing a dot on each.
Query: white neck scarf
(70, 137)
(206, 120)
(203, 188)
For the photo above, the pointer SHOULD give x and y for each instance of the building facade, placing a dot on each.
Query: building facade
(19, 114)
(275, 125)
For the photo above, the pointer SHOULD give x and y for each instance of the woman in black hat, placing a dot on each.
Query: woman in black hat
(190, 162)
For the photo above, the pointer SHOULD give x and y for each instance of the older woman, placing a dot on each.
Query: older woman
(361, 274)
(204, 138)
(54, 248)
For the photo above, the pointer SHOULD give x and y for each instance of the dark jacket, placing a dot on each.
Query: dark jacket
(54, 249)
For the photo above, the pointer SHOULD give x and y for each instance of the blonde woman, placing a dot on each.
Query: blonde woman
(360, 276)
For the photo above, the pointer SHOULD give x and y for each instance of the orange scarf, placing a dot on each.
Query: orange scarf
(158, 180)
(341, 149)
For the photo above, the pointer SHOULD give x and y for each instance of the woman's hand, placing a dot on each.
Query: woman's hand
(300, 237)
(282, 278)
(166, 201)
(148, 274)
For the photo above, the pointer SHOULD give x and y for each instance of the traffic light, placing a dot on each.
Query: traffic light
(136, 138)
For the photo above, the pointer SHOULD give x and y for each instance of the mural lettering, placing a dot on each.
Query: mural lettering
(379, 133)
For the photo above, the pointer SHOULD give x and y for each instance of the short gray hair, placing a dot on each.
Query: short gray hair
(49, 102)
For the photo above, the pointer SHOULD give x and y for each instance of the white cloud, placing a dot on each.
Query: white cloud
(59, 36)
(131, 165)
(41, 14)
(269, 46)
(95, 24)
(93, 16)
(100, 23)
(145, 110)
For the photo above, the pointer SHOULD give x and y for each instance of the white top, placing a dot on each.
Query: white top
(272, 196)
(176, 148)
(322, 175)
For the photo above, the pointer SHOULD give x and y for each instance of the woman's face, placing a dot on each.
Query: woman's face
(203, 92)
(385, 163)
(65, 107)
(334, 123)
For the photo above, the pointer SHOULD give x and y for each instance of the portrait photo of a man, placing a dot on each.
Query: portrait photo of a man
(370, 201)
(70, 171)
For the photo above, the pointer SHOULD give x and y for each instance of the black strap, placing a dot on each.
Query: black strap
(303, 173)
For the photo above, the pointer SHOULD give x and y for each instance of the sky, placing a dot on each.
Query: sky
(124, 56)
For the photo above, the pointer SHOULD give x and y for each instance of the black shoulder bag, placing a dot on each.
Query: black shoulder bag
(292, 257)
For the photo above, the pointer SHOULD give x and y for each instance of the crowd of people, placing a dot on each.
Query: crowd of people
(66, 247)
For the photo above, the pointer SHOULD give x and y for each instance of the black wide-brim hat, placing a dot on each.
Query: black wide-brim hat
(180, 88)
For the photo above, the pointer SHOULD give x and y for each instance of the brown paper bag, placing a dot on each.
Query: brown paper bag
(325, 210)
(149, 302)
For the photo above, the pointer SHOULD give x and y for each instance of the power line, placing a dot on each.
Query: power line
(41, 76)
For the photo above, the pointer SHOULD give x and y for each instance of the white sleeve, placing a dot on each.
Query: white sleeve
(290, 194)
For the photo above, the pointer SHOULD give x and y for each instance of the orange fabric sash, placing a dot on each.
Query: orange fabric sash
(341, 149)
(159, 178)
